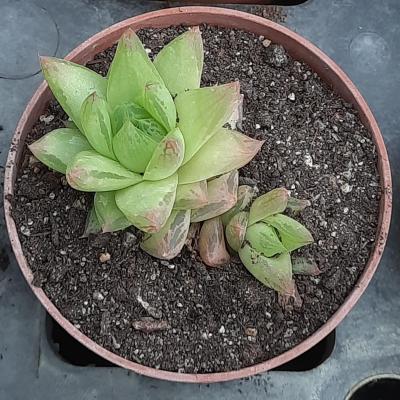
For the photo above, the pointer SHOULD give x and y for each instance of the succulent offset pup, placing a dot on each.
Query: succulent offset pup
(153, 147)
(264, 239)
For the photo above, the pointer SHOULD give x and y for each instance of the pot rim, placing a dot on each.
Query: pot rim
(299, 47)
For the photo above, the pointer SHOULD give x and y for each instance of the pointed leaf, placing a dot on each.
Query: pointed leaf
(244, 196)
(96, 124)
(169, 241)
(297, 205)
(139, 117)
(92, 224)
(276, 272)
(264, 239)
(151, 127)
(191, 196)
(201, 112)
(222, 195)
(236, 230)
(127, 112)
(212, 247)
(148, 205)
(130, 71)
(159, 103)
(57, 148)
(167, 157)
(91, 172)
(133, 148)
(305, 266)
(225, 151)
(270, 203)
(293, 234)
(71, 84)
(180, 62)
(109, 215)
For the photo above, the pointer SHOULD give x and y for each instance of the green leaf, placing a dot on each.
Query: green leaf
(57, 148)
(169, 241)
(212, 247)
(96, 124)
(159, 103)
(180, 62)
(109, 215)
(139, 117)
(293, 234)
(275, 273)
(167, 157)
(151, 127)
(71, 84)
(235, 231)
(264, 239)
(244, 196)
(127, 112)
(92, 224)
(305, 266)
(190, 196)
(222, 195)
(270, 203)
(225, 151)
(91, 172)
(148, 205)
(130, 72)
(133, 147)
(202, 112)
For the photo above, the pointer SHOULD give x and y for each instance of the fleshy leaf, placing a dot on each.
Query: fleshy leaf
(236, 230)
(212, 247)
(225, 151)
(91, 172)
(148, 205)
(92, 224)
(127, 112)
(167, 157)
(130, 72)
(96, 124)
(159, 103)
(57, 148)
(201, 112)
(180, 62)
(109, 215)
(139, 117)
(71, 84)
(264, 239)
(293, 234)
(191, 196)
(297, 205)
(270, 203)
(222, 195)
(133, 148)
(275, 272)
(305, 266)
(244, 196)
(169, 241)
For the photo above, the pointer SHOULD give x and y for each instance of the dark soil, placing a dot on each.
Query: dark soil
(315, 146)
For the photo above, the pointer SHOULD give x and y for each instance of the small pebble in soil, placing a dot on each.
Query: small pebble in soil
(104, 257)
(251, 332)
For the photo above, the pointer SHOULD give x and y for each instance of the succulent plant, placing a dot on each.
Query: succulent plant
(264, 239)
(148, 140)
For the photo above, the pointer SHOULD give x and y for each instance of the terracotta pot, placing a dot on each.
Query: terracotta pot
(300, 49)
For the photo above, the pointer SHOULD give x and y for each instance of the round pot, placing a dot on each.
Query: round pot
(300, 49)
